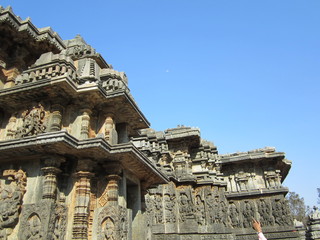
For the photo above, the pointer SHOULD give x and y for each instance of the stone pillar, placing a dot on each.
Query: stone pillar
(50, 182)
(113, 189)
(110, 133)
(85, 123)
(56, 118)
(51, 171)
(113, 177)
(82, 201)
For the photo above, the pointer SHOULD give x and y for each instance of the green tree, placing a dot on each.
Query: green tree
(297, 207)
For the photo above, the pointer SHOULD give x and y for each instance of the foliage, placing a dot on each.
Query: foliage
(297, 207)
(318, 189)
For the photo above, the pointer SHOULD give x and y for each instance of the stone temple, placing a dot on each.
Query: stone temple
(79, 161)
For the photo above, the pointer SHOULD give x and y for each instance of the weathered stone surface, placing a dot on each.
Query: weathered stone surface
(79, 161)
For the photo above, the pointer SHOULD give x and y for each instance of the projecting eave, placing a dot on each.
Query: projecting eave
(96, 149)
(251, 157)
(25, 26)
(64, 88)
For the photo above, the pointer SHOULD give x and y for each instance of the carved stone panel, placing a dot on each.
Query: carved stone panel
(111, 223)
(32, 122)
(11, 194)
(44, 220)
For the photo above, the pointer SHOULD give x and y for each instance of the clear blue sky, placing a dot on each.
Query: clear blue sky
(245, 72)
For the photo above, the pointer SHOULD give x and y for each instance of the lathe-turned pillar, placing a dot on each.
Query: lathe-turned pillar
(113, 176)
(51, 170)
(82, 202)
(110, 133)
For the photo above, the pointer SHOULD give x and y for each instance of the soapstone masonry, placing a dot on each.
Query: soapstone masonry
(79, 161)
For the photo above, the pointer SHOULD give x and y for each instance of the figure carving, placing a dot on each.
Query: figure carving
(158, 209)
(277, 212)
(33, 122)
(60, 222)
(11, 200)
(242, 179)
(234, 215)
(108, 230)
(112, 223)
(224, 213)
(200, 212)
(34, 228)
(273, 178)
(264, 210)
(209, 207)
(169, 203)
(185, 207)
(248, 214)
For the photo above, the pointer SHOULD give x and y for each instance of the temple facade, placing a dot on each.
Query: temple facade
(79, 161)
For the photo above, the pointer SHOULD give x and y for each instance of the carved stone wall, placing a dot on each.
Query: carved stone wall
(12, 189)
(70, 131)
(44, 220)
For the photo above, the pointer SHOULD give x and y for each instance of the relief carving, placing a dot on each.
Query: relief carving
(209, 207)
(200, 210)
(185, 207)
(35, 220)
(169, 208)
(273, 178)
(264, 210)
(32, 122)
(158, 215)
(11, 195)
(60, 222)
(224, 213)
(33, 230)
(248, 214)
(242, 179)
(234, 216)
(112, 223)
(281, 213)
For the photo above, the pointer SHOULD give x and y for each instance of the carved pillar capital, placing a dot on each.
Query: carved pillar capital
(113, 168)
(85, 165)
(53, 161)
